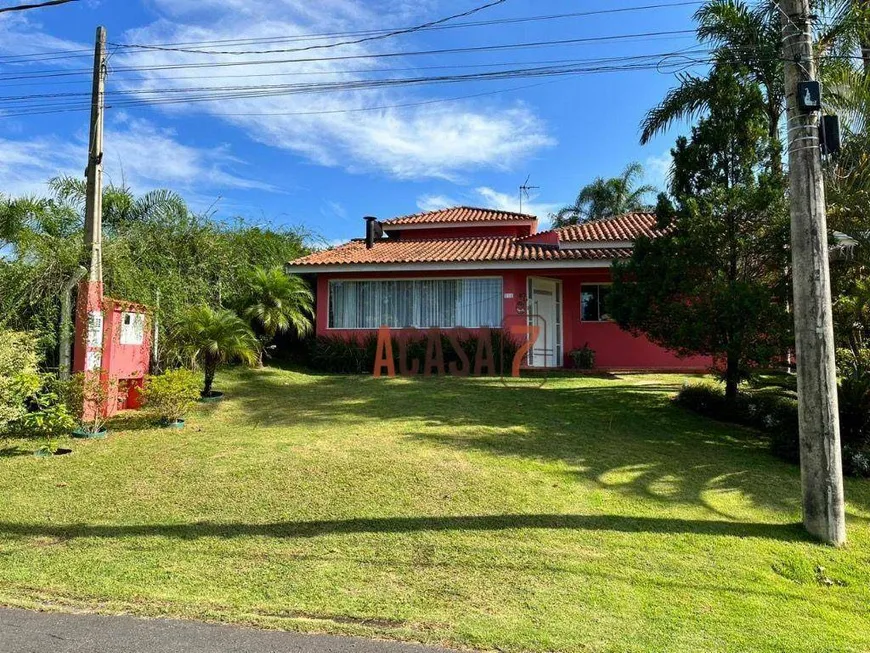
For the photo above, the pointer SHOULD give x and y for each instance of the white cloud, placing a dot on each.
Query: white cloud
(342, 128)
(333, 209)
(657, 169)
(26, 165)
(137, 153)
(487, 197)
(145, 155)
(435, 202)
(508, 202)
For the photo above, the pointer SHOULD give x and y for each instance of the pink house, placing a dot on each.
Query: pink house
(473, 268)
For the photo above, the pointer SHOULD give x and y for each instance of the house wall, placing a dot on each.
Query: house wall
(614, 348)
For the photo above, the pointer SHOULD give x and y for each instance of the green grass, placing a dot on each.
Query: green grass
(586, 515)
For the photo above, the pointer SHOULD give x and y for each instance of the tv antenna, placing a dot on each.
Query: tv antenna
(524, 191)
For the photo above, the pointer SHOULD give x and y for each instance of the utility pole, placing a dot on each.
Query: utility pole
(94, 198)
(821, 460)
(88, 349)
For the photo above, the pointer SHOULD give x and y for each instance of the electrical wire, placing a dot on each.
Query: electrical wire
(378, 34)
(378, 55)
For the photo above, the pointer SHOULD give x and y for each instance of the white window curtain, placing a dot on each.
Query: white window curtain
(420, 303)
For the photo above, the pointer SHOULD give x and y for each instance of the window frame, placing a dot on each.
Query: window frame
(598, 286)
(330, 281)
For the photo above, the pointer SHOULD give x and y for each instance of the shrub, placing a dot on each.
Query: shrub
(853, 396)
(339, 355)
(49, 416)
(773, 414)
(583, 358)
(19, 379)
(87, 398)
(171, 394)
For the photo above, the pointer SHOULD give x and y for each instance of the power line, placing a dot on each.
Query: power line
(379, 34)
(37, 5)
(229, 93)
(364, 39)
(380, 55)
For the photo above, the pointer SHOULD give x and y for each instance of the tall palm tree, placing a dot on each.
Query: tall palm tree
(277, 302)
(607, 197)
(212, 337)
(746, 40)
(120, 205)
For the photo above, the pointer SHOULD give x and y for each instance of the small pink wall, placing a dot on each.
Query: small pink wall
(615, 349)
(122, 367)
(125, 366)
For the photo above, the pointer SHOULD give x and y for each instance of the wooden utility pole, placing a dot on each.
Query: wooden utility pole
(821, 460)
(94, 199)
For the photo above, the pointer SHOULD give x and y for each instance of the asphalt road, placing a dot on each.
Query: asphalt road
(23, 631)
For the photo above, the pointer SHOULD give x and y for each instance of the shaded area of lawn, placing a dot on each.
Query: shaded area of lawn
(597, 426)
(589, 514)
(304, 529)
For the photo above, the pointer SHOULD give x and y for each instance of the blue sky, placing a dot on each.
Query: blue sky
(326, 167)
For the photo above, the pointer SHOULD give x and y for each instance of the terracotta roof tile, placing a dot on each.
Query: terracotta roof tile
(624, 227)
(452, 250)
(457, 215)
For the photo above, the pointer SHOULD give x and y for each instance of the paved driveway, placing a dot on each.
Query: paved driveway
(23, 631)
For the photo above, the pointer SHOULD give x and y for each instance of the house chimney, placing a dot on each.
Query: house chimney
(373, 230)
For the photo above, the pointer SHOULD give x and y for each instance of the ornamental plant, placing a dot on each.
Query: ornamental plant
(86, 394)
(172, 394)
(50, 418)
(19, 379)
(210, 338)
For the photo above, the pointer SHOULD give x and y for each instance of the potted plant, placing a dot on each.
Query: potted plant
(212, 337)
(88, 397)
(171, 395)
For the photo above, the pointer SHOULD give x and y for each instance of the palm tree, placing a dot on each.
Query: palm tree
(276, 303)
(848, 29)
(606, 197)
(747, 41)
(120, 205)
(212, 337)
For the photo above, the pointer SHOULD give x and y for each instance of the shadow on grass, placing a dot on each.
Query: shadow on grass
(388, 525)
(14, 451)
(625, 436)
(622, 434)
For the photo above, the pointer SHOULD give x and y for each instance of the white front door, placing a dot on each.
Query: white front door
(545, 312)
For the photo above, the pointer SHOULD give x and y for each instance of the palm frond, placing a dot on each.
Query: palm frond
(685, 101)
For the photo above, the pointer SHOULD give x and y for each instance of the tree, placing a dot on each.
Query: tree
(152, 243)
(120, 205)
(715, 284)
(212, 337)
(747, 42)
(276, 302)
(606, 197)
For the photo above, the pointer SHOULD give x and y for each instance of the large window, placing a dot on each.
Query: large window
(420, 303)
(593, 300)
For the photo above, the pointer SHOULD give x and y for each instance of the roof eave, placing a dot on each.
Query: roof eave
(328, 268)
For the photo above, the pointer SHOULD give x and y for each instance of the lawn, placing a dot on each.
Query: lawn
(585, 515)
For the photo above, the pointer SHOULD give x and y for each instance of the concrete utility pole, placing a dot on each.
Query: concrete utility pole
(821, 462)
(94, 198)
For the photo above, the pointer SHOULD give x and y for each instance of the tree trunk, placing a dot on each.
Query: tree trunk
(775, 143)
(732, 376)
(210, 369)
